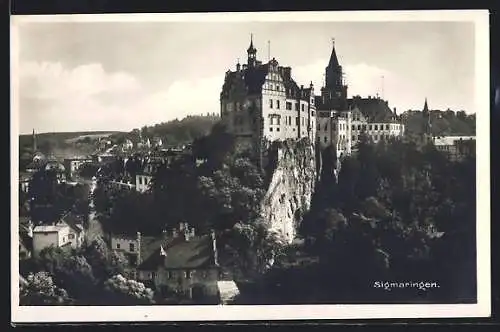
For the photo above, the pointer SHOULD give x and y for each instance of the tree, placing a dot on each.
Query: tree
(39, 289)
(121, 291)
(71, 270)
(105, 262)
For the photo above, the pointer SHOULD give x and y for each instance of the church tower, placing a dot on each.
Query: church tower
(427, 130)
(33, 140)
(426, 123)
(334, 93)
(252, 53)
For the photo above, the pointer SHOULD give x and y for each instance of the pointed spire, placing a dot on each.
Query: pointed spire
(251, 48)
(426, 107)
(334, 62)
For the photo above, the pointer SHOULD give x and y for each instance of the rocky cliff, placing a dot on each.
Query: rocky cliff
(292, 174)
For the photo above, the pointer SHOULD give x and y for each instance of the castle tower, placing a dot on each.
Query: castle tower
(252, 53)
(334, 94)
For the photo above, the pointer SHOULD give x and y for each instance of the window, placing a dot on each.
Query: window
(376, 127)
(117, 246)
(270, 86)
(140, 180)
(353, 137)
(170, 275)
(297, 121)
(188, 274)
(270, 103)
(318, 127)
(369, 127)
(131, 247)
(326, 139)
(288, 105)
(153, 275)
(278, 121)
(376, 137)
(359, 127)
(386, 127)
(277, 104)
(353, 127)
(290, 120)
(302, 107)
(296, 106)
(312, 113)
(270, 128)
(278, 129)
(71, 236)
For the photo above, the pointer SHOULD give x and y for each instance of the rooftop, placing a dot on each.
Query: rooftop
(47, 229)
(198, 252)
(451, 140)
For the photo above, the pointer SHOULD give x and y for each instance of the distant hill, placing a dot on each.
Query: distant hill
(175, 132)
(443, 123)
(61, 144)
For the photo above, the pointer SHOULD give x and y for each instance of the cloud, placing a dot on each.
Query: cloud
(56, 98)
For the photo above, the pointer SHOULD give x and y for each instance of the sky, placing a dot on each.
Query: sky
(84, 76)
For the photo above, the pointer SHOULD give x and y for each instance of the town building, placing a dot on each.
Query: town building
(175, 263)
(66, 232)
(181, 263)
(262, 102)
(72, 165)
(145, 176)
(456, 147)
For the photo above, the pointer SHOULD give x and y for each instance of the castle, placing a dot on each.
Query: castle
(262, 102)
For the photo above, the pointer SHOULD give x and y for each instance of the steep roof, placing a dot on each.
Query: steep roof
(72, 221)
(374, 109)
(198, 252)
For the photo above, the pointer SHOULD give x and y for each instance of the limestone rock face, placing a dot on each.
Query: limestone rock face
(293, 173)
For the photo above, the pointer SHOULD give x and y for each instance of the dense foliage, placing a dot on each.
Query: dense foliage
(396, 213)
(39, 289)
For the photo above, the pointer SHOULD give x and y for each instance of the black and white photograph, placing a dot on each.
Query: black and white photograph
(250, 166)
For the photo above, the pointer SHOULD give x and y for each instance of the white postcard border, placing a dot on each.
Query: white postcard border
(67, 314)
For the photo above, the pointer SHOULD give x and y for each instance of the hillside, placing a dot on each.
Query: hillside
(175, 132)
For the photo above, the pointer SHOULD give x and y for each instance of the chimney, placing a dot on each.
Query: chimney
(238, 66)
(245, 66)
(395, 111)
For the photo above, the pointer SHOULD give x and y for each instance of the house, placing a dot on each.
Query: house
(128, 245)
(177, 262)
(45, 236)
(76, 234)
(456, 147)
(144, 178)
(67, 232)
